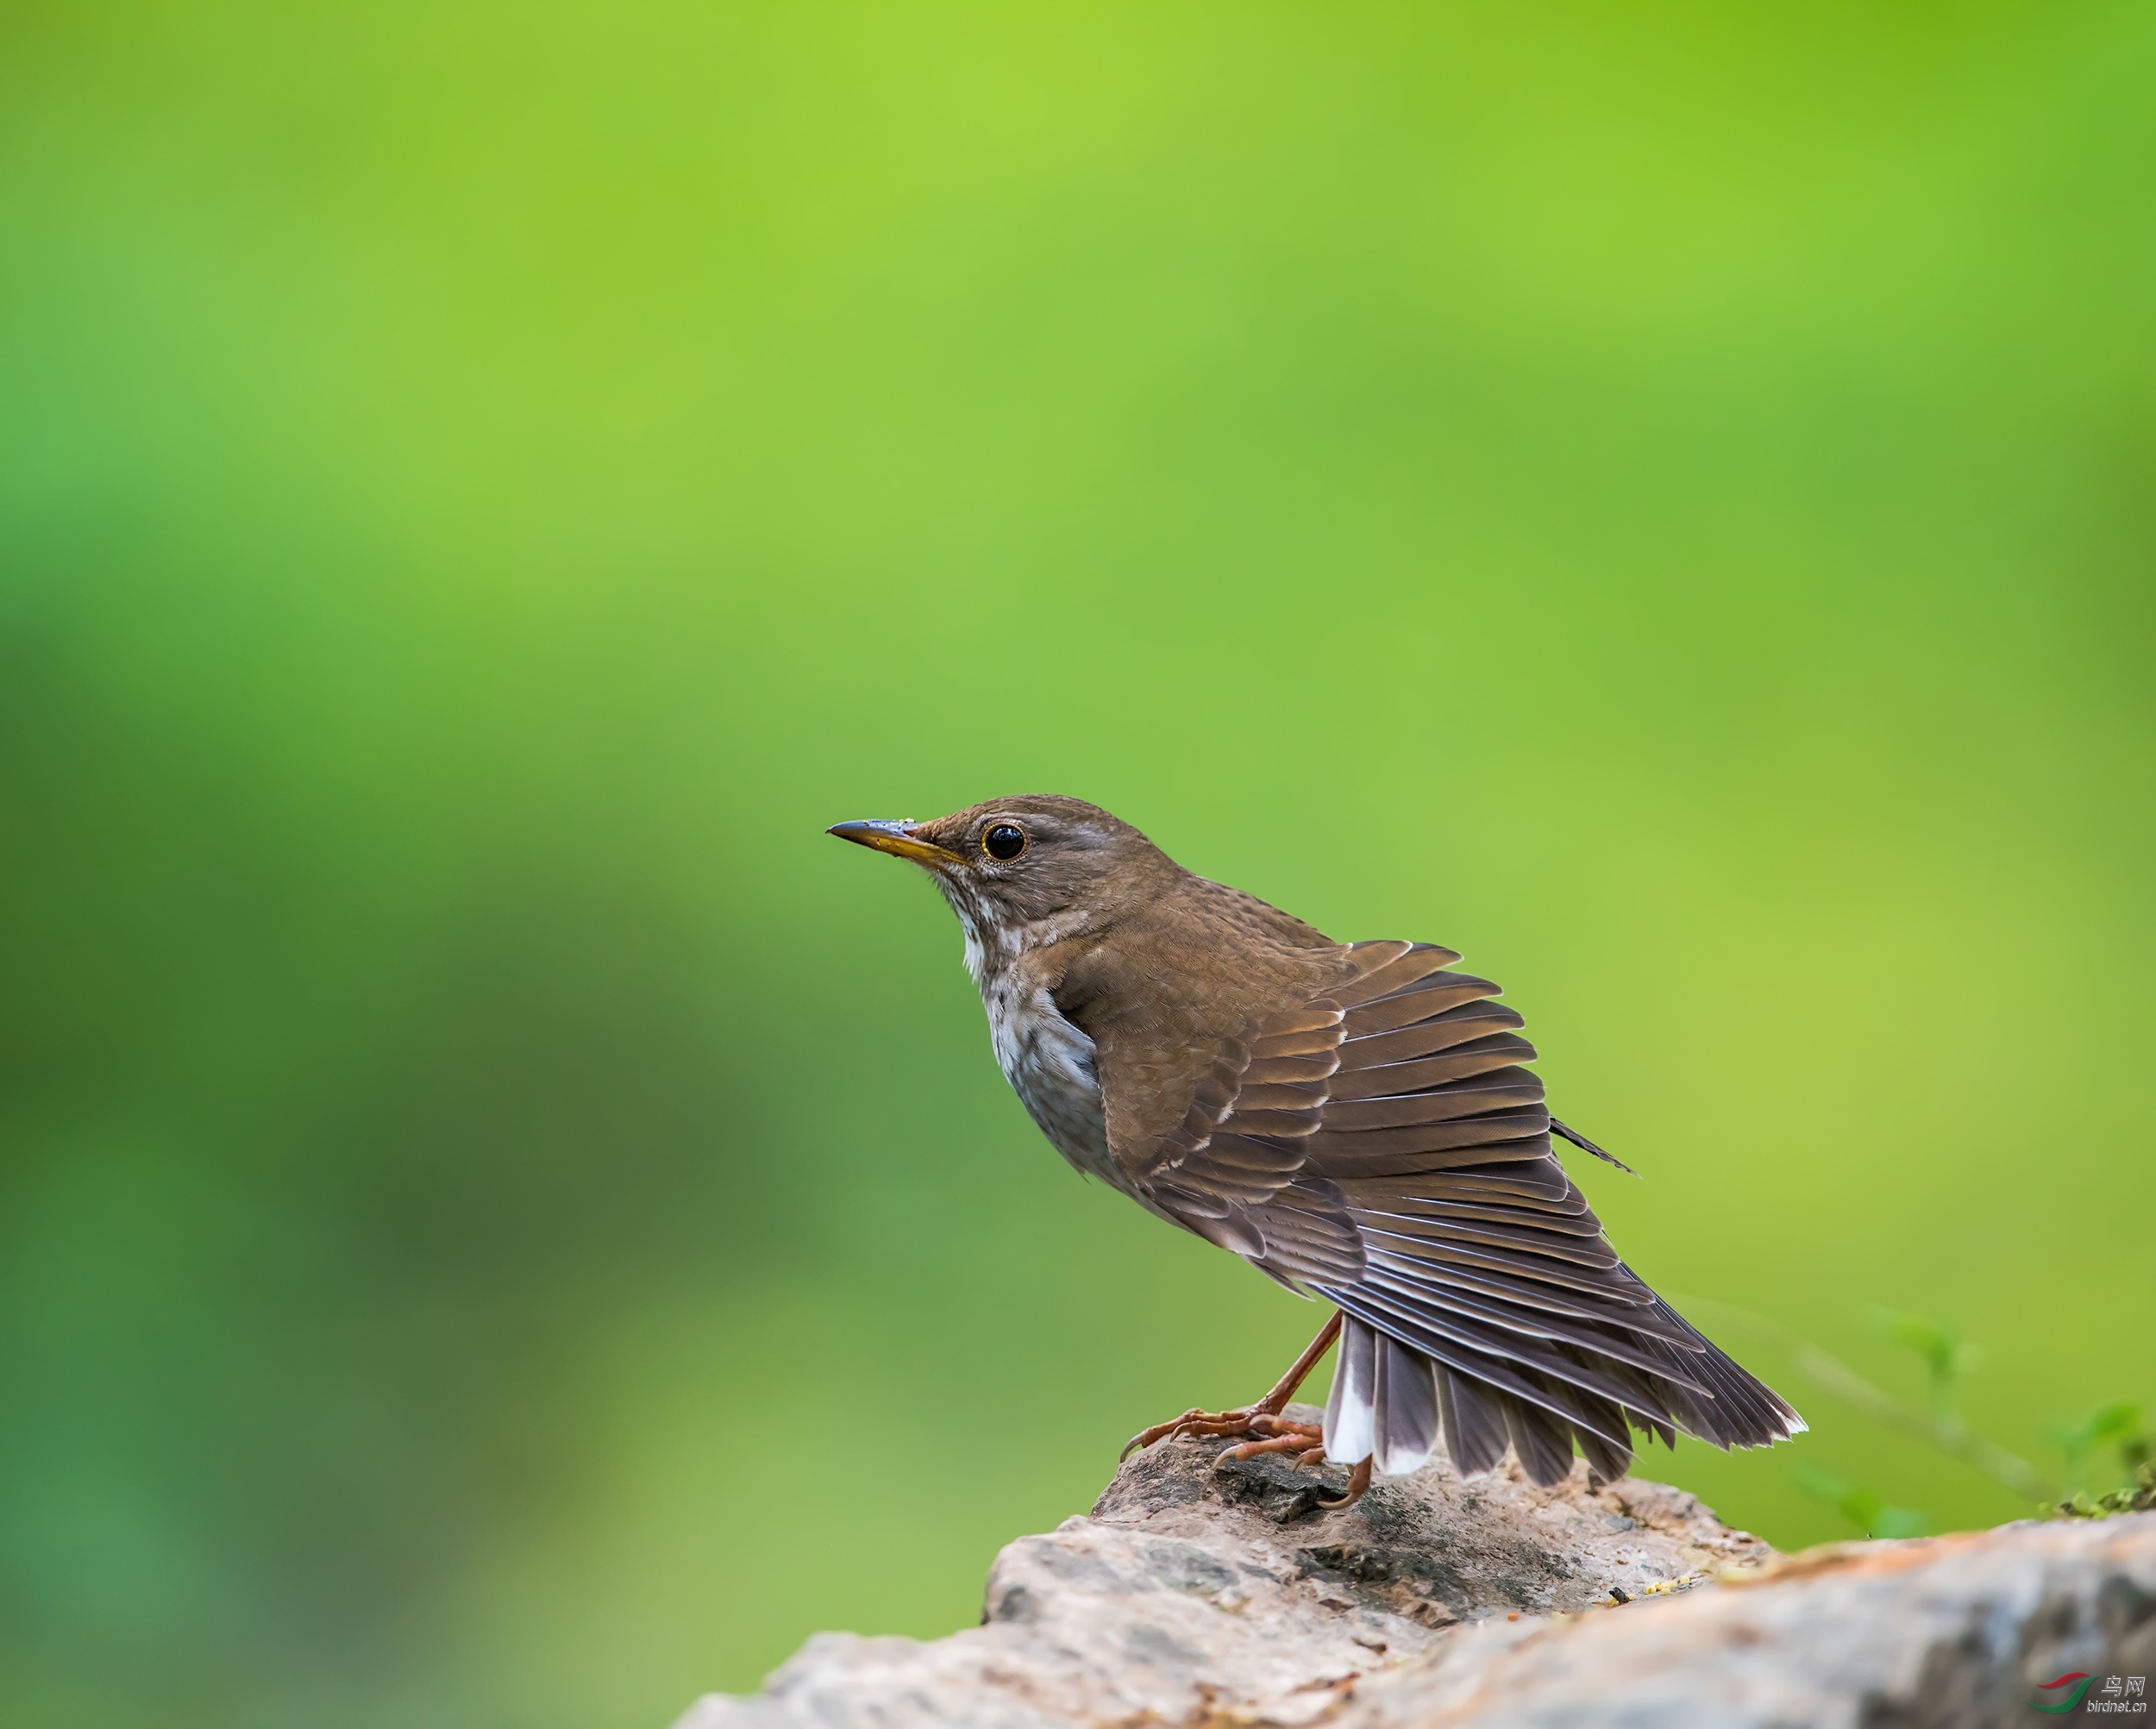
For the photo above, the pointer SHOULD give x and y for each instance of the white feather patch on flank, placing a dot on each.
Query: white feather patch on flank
(1350, 1415)
(1050, 1065)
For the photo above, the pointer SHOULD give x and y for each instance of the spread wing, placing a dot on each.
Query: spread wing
(1385, 1146)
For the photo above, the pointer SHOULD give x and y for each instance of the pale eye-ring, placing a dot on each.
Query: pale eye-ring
(1003, 842)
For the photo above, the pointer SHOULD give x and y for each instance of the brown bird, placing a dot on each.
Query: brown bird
(1356, 1120)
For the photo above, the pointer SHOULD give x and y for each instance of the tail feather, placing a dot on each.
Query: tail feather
(1606, 1462)
(1405, 1416)
(1478, 1442)
(1393, 1402)
(1543, 1443)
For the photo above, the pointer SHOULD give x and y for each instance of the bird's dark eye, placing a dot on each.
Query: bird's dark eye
(1005, 841)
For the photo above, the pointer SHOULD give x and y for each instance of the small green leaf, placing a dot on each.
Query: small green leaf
(1860, 1506)
(1901, 1521)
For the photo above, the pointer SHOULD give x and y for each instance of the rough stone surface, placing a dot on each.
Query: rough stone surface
(1199, 1595)
(1210, 1598)
(1951, 1632)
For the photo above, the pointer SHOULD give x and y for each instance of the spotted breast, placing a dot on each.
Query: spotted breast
(1050, 1065)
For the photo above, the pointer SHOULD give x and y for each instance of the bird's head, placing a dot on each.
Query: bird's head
(1013, 862)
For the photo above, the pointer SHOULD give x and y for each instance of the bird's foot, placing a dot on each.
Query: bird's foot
(1274, 1433)
(1298, 1439)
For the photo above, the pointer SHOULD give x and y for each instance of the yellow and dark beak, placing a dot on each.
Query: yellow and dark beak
(897, 837)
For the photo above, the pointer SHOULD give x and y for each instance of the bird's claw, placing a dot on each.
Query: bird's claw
(1358, 1480)
(1145, 1438)
(1196, 1422)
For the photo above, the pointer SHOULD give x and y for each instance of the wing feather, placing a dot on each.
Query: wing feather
(1440, 1032)
(1463, 1062)
(1425, 1223)
(1418, 1003)
(1500, 1090)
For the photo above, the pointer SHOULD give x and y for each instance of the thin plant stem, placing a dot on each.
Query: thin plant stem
(1942, 1428)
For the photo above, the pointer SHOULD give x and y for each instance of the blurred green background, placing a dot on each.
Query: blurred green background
(504, 1224)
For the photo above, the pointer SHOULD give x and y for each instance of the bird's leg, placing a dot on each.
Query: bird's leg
(1263, 1419)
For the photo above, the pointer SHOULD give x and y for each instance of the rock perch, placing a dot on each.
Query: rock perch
(1213, 1598)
